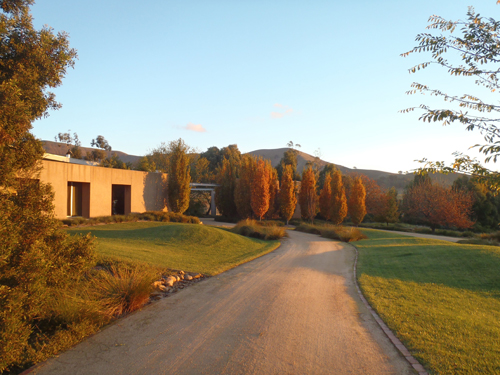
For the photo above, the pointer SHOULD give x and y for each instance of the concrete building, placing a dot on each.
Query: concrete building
(86, 190)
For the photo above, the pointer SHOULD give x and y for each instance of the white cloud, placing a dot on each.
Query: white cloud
(195, 127)
(287, 111)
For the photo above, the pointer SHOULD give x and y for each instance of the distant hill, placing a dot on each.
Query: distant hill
(58, 148)
(386, 180)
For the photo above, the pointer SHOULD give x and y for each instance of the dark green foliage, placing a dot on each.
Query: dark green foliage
(486, 206)
(329, 168)
(289, 158)
(224, 193)
(146, 216)
(38, 262)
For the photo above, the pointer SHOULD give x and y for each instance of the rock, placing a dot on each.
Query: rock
(181, 272)
(181, 277)
(188, 277)
(171, 280)
(158, 284)
(163, 288)
(197, 276)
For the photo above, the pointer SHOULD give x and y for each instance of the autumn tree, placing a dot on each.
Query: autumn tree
(325, 198)
(287, 196)
(390, 208)
(274, 206)
(307, 195)
(436, 206)
(356, 203)
(260, 188)
(475, 57)
(243, 187)
(224, 193)
(179, 176)
(339, 200)
(375, 197)
(37, 260)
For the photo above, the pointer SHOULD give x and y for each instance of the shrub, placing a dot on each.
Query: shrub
(146, 216)
(333, 232)
(123, 290)
(343, 234)
(252, 228)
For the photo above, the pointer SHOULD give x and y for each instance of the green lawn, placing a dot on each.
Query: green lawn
(442, 299)
(187, 247)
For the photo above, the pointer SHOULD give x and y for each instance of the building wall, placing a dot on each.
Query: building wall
(147, 190)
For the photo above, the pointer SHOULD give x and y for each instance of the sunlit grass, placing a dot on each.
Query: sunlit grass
(188, 247)
(442, 299)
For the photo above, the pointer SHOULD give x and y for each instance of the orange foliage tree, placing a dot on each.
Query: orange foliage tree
(437, 206)
(339, 200)
(243, 187)
(287, 197)
(325, 198)
(260, 189)
(356, 203)
(375, 198)
(274, 207)
(307, 196)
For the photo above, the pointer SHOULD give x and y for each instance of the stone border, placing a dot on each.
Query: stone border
(395, 341)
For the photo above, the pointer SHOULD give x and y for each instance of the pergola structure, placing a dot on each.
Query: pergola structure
(206, 187)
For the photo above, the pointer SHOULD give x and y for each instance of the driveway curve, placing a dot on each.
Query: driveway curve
(293, 311)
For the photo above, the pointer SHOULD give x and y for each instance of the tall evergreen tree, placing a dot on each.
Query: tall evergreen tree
(339, 200)
(273, 193)
(224, 193)
(179, 176)
(243, 187)
(356, 203)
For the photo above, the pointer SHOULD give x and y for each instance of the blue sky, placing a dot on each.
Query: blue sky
(325, 74)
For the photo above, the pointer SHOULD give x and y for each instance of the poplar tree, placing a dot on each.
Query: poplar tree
(325, 198)
(273, 193)
(357, 207)
(243, 187)
(287, 197)
(307, 196)
(339, 200)
(391, 214)
(179, 176)
(224, 193)
(260, 189)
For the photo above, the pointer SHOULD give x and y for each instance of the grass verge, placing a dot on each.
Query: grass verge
(442, 299)
(191, 248)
